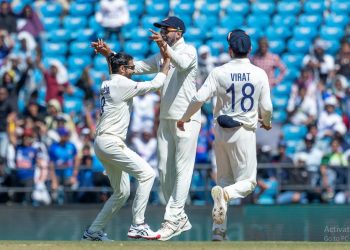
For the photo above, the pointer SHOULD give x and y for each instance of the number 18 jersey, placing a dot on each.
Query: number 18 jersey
(242, 91)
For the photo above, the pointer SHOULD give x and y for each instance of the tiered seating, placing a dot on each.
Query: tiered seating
(136, 8)
(238, 9)
(51, 9)
(293, 136)
(136, 48)
(293, 60)
(80, 9)
(51, 23)
(290, 26)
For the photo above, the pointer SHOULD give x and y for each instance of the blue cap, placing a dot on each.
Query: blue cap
(172, 22)
(63, 131)
(239, 41)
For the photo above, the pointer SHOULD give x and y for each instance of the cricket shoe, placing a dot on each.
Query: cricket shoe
(142, 231)
(219, 235)
(95, 236)
(184, 224)
(169, 230)
(220, 205)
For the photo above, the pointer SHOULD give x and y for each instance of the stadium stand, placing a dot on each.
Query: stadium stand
(291, 27)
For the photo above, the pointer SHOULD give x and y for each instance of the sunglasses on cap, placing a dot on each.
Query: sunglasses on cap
(167, 30)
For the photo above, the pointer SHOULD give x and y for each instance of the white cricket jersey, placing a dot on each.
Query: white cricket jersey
(242, 91)
(180, 84)
(116, 102)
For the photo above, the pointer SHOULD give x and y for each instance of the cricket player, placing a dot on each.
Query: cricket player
(176, 148)
(243, 92)
(119, 161)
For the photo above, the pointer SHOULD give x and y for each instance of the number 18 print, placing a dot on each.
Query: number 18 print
(246, 95)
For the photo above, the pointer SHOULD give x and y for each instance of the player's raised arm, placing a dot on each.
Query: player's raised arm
(163, 50)
(166, 66)
(122, 66)
(163, 46)
(140, 88)
(101, 47)
(181, 60)
(147, 66)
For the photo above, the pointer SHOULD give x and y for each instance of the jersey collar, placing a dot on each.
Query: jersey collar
(115, 76)
(178, 44)
(240, 60)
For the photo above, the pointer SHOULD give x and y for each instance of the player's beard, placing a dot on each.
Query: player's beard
(169, 40)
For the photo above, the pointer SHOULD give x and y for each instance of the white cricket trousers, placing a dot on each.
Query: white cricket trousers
(119, 161)
(176, 154)
(237, 164)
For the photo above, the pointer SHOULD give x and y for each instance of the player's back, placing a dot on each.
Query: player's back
(239, 88)
(115, 112)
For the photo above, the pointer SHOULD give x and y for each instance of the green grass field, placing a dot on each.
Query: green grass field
(156, 245)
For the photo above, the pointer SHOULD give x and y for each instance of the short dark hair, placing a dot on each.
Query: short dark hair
(240, 55)
(118, 60)
(239, 42)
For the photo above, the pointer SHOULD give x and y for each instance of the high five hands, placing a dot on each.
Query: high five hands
(101, 47)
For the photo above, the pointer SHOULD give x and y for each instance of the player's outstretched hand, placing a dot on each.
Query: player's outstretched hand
(181, 125)
(264, 126)
(163, 46)
(101, 47)
(157, 37)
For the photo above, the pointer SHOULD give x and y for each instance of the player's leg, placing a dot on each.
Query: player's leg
(166, 157)
(224, 178)
(145, 175)
(244, 165)
(186, 145)
(119, 156)
(108, 152)
(176, 220)
(236, 174)
(121, 187)
(219, 231)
